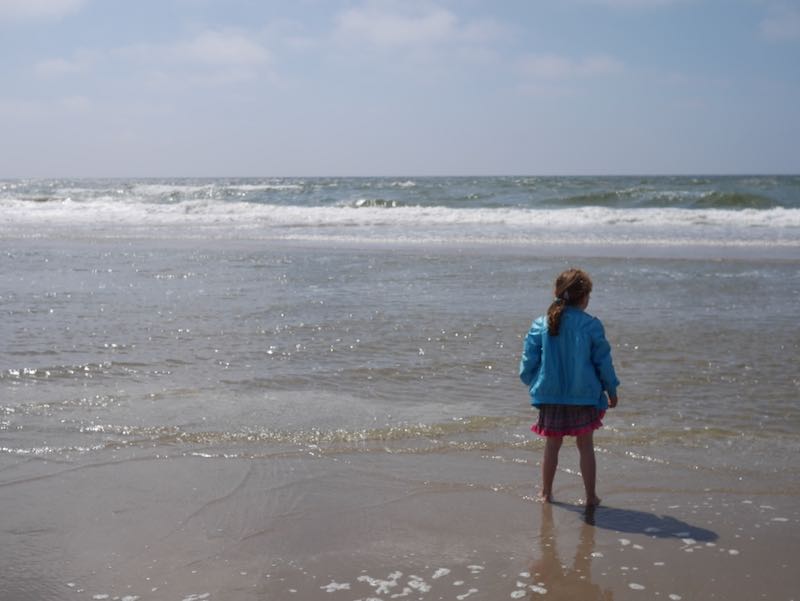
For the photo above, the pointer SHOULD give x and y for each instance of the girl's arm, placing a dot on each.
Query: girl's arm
(531, 353)
(601, 358)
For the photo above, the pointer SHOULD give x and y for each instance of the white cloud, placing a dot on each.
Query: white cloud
(423, 38)
(387, 25)
(484, 30)
(553, 66)
(781, 24)
(34, 9)
(211, 48)
(58, 67)
(221, 48)
(208, 58)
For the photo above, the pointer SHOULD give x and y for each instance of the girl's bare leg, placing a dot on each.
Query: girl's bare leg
(549, 465)
(588, 467)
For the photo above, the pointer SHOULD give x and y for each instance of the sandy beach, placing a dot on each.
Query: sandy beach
(174, 525)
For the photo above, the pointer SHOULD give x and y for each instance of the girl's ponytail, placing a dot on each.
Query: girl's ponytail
(572, 287)
(554, 312)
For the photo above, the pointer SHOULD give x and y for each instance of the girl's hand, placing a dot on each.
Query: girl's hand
(612, 401)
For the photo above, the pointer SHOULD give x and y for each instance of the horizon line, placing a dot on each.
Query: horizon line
(401, 175)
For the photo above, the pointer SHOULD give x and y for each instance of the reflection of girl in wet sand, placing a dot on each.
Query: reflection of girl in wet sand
(566, 364)
(561, 581)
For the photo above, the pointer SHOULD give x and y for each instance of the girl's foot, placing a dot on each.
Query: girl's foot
(544, 497)
(593, 501)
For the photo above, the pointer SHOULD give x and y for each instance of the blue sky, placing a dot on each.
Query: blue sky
(398, 87)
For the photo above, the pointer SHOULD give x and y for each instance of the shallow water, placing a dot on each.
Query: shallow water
(114, 345)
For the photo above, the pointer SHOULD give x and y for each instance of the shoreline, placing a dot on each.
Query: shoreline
(630, 250)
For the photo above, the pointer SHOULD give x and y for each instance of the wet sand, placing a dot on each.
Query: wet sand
(379, 525)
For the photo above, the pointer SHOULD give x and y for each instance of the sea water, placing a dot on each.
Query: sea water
(166, 310)
(235, 320)
(665, 211)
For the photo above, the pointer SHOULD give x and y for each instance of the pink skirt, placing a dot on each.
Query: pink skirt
(567, 420)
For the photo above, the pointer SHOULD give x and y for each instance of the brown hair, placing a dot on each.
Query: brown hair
(572, 288)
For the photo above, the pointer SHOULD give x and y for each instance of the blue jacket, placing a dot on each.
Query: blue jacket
(573, 368)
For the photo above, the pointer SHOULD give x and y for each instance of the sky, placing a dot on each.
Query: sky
(218, 88)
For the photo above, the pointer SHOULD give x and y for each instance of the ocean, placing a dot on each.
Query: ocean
(277, 388)
(616, 211)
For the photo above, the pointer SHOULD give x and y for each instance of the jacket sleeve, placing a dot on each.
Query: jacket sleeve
(531, 353)
(601, 359)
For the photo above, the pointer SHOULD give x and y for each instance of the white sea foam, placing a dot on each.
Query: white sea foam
(154, 190)
(116, 217)
(418, 584)
(334, 586)
(264, 187)
(382, 587)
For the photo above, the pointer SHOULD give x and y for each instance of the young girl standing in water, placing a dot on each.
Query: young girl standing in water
(566, 364)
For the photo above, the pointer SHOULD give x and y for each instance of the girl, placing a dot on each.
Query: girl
(566, 364)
